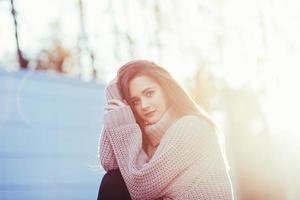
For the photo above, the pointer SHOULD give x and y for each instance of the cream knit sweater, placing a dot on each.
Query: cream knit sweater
(187, 164)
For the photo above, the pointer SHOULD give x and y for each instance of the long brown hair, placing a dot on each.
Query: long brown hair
(173, 92)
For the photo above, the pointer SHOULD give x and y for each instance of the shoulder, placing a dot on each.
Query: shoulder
(191, 126)
(190, 131)
(195, 121)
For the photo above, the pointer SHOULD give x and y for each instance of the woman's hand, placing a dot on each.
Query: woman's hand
(113, 104)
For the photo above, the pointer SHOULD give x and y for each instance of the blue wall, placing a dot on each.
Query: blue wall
(49, 130)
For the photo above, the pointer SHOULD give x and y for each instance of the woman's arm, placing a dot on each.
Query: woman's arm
(190, 140)
(105, 152)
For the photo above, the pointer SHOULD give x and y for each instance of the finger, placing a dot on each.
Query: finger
(115, 102)
(111, 107)
(125, 102)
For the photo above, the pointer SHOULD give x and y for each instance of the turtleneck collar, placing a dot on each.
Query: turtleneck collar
(155, 132)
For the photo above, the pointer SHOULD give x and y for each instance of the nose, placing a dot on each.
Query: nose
(145, 104)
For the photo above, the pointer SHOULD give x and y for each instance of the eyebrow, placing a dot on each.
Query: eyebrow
(144, 91)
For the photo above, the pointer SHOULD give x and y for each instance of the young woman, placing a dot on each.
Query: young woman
(156, 143)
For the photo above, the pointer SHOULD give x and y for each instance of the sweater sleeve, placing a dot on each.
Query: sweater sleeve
(105, 152)
(187, 141)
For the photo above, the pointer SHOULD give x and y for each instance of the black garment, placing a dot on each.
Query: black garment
(113, 187)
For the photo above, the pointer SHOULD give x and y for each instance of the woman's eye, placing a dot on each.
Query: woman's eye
(149, 94)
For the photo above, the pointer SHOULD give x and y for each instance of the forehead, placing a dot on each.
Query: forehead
(139, 83)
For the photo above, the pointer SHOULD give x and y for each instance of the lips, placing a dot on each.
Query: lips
(149, 114)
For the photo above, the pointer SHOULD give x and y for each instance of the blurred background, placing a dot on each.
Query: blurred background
(238, 59)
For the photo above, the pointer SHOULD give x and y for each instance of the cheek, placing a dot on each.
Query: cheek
(160, 100)
(138, 110)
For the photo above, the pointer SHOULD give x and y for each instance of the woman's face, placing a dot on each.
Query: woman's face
(147, 99)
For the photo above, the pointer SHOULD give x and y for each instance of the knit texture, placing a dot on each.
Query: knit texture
(154, 132)
(187, 163)
(112, 91)
(105, 151)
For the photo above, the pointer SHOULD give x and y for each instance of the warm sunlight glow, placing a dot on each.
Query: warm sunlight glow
(238, 60)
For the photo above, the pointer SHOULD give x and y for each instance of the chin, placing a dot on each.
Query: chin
(153, 120)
